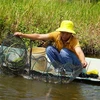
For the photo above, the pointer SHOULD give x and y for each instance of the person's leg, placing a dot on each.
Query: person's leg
(69, 56)
(69, 60)
(54, 56)
(52, 53)
(66, 57)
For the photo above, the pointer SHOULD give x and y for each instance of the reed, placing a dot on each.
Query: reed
(43, 16)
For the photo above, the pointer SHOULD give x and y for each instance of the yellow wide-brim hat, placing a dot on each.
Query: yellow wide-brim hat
(66, 26)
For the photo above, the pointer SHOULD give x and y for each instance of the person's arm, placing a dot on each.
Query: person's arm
(81, 56)
(34, 36)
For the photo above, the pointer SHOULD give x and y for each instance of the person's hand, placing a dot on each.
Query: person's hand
(18, 34)
(84, 64)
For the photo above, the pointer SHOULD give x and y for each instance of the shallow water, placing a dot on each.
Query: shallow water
(19, 88)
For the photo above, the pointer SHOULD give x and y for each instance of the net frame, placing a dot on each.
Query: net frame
(13, 46)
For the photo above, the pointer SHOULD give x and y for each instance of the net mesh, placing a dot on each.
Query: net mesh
(42, 69)
(13, 54)
(14, 60)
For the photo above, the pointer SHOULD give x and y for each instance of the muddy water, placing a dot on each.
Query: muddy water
(19, 88)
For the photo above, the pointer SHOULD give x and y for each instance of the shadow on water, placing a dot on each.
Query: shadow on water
(18, 88)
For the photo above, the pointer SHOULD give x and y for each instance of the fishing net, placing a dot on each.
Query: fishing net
(13, 54)
(48, 73)
(14, 59)
(42, 69)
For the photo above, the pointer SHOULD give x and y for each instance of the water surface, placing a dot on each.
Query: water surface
(19, 88)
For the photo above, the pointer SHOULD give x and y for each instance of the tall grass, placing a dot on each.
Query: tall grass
(43, 16)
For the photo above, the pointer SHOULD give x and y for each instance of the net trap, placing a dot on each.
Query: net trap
(32, 62)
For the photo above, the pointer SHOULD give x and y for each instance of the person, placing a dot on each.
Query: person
(67, 48)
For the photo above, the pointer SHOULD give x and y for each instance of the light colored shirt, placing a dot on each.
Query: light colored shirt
(70, 44)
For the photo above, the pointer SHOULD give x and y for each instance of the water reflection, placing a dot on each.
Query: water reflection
(18, 88)
(66, 92)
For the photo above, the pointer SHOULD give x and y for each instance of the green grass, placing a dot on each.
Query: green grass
(43, 16)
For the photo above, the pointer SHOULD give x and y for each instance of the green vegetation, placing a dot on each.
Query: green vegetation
(43, 16)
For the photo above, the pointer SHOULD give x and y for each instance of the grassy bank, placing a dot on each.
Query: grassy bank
(43, 16)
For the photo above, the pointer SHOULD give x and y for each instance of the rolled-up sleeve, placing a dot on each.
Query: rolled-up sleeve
(75, 43)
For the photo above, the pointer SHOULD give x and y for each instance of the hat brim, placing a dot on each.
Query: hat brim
(65, 30)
